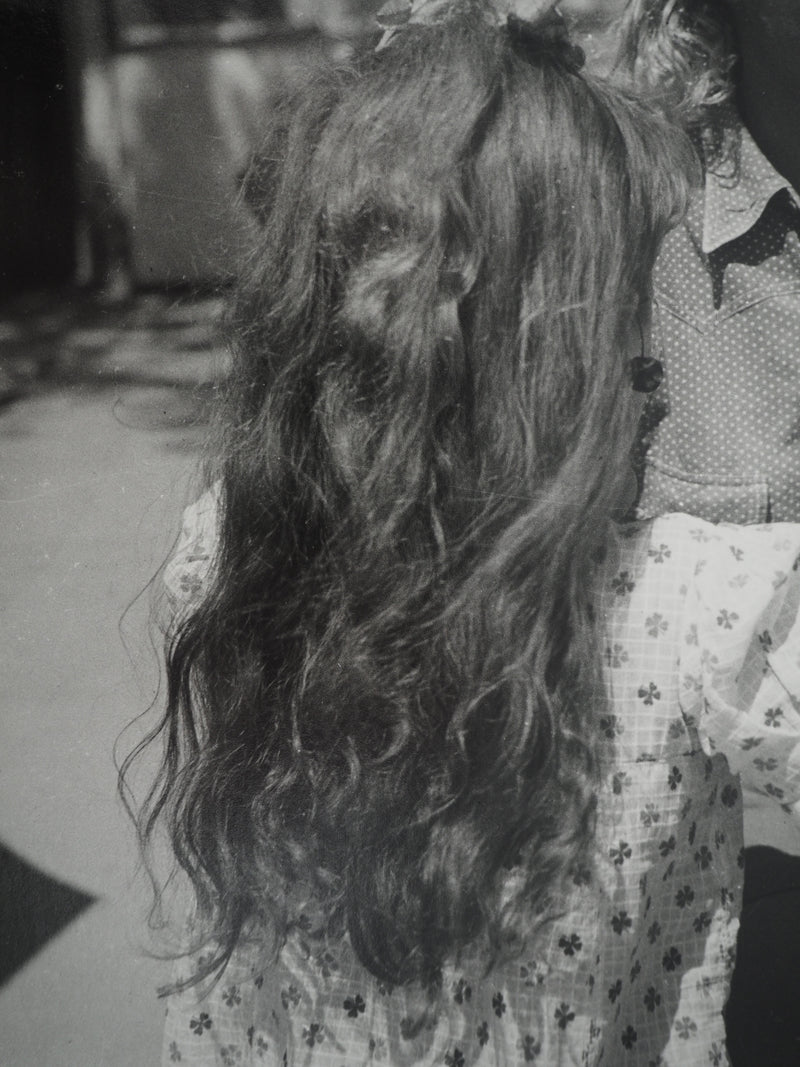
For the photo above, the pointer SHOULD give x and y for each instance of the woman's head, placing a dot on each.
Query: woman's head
(680, 51)
(389, 693)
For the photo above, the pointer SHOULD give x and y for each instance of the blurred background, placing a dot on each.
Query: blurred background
(125, 127)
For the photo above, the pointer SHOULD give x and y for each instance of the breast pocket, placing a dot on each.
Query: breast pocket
(727, 447)
(667, 488)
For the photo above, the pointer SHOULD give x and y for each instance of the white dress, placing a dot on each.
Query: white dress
(702, 670)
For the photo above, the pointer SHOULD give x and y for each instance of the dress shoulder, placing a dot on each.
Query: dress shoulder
(740, 661)
(187, 573)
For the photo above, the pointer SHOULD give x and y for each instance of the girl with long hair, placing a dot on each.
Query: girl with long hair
(451, 753)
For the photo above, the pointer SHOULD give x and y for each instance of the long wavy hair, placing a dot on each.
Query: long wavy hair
(389, 695)
(683, 53)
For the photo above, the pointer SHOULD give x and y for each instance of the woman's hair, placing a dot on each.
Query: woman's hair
(682, 52)
(390, 692)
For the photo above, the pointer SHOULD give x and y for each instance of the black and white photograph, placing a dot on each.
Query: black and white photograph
(400, 525)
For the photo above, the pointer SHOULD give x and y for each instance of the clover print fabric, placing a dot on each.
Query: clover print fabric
(702, 674)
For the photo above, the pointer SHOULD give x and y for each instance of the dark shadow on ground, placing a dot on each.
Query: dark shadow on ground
(33, 909)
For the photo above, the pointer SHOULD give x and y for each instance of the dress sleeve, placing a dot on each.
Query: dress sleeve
(187, 572)
(741, 660)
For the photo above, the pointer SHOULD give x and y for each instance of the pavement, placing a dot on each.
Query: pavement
(102, 414)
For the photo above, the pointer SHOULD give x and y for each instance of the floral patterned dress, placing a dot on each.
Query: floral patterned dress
(702, 657)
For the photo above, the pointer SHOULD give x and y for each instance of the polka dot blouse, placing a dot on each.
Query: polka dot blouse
(727, 295)
(701, 655)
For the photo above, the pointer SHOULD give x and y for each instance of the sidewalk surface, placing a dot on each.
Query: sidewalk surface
(103, 415)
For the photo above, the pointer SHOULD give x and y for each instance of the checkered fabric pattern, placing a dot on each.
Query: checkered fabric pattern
(702, 676)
